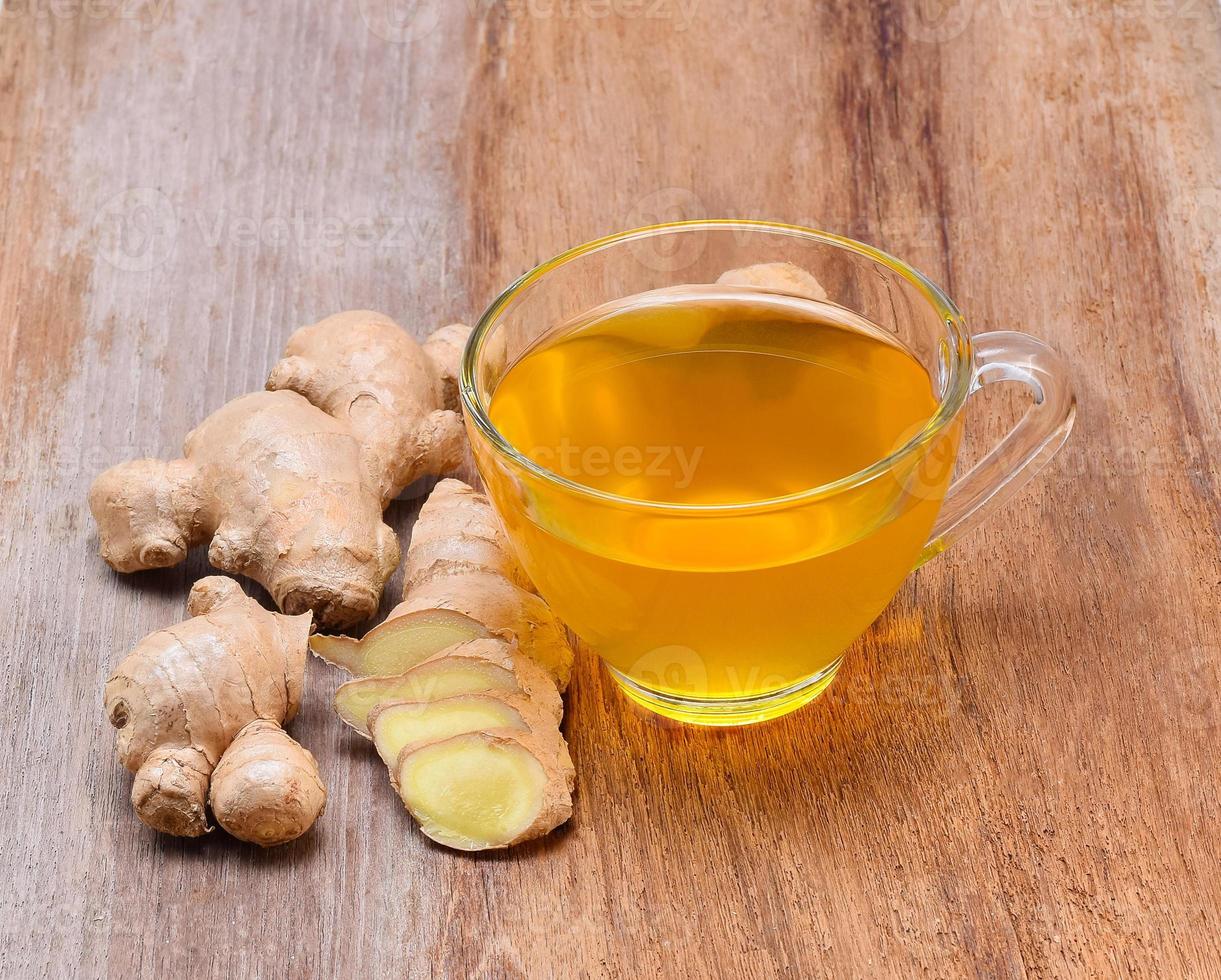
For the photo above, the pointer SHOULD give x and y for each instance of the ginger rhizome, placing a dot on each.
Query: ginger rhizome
(288, 485)
(200, 709)
(461, 686)
(779, 277)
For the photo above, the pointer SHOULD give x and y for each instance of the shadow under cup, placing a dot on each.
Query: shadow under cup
(728, 614)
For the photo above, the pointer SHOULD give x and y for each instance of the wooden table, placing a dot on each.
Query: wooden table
(1016, 773)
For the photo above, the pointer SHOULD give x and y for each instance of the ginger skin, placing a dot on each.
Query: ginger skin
(266, 788)
(199, 709)
(363, 369)
(288, 485)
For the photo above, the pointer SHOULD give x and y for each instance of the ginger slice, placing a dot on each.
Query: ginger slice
(398, 644)
(476, 667)
(402, 725)
(487, 790)
(356, 700)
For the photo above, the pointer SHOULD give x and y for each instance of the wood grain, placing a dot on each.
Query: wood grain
(1014, 776)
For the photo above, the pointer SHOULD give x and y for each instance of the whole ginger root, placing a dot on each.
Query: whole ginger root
(200, 709)
(288, 485)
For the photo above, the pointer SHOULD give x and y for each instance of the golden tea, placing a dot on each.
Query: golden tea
(707, 403)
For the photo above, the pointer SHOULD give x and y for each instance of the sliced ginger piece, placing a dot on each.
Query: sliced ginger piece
(398, 644)
(402, 725)
(475, 667)
(356, 700)
(446, 676)
(487, 790)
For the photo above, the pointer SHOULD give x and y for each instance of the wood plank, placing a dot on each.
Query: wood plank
(1014, 774)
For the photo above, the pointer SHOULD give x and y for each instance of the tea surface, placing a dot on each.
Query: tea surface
(706, 401)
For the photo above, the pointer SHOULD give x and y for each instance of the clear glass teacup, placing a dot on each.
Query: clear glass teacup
(727, 612)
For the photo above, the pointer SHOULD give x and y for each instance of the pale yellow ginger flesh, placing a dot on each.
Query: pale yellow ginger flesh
(485, 790)
(184, 701)
(266, 789)
(401, 725)
(459, 559)
(398, 644)
(780, 277)
(475, 667)
(287, 486)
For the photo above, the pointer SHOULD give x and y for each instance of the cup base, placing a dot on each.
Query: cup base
(728, 712)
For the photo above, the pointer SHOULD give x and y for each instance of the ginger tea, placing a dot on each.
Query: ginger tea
(706, 403)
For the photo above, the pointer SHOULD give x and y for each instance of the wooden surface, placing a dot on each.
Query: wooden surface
(1016, 773)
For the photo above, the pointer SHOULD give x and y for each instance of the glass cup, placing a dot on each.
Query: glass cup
(661, 591)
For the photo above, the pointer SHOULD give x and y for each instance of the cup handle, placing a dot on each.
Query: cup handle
(1006, 355)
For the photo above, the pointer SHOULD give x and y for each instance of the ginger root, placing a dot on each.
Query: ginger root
(266, 788)
(778, 277)
(465, 705)
(288, 485)
(460, 559)
(199, 709)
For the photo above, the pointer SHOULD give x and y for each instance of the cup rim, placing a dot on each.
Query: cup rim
(956, 390)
